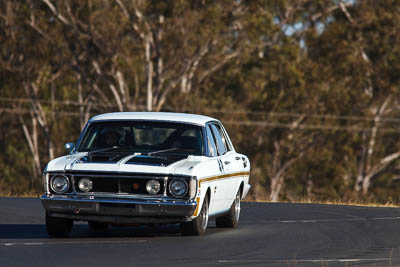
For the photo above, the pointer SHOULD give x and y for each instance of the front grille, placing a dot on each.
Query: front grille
(121, 183)
(101, 185)
(118, 184)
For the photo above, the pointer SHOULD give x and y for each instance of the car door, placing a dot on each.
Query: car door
(225, 152)
(229, 184)
(217, 194)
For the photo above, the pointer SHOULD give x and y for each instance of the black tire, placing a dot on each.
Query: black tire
(230, 220)
(97, 225)
(199, 225)
(58, 227)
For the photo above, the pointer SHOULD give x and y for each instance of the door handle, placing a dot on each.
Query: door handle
(227, 162)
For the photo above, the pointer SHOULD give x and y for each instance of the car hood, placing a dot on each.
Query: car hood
(74, 163)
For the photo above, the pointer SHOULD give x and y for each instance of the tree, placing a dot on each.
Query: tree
(353, 38)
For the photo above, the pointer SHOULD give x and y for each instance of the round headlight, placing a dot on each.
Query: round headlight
(59, 184)
(178, 187)
(85, 184)
(153, 187)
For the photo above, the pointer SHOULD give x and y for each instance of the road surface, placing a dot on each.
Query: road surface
(270, 234)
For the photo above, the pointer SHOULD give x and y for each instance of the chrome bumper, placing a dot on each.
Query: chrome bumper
(118, 210)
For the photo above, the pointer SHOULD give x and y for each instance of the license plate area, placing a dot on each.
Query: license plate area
(118, 209)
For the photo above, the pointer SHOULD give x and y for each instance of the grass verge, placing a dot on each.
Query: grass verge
(388, 204)
(27, 194)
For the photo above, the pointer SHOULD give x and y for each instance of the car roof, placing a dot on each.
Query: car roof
(155, 116)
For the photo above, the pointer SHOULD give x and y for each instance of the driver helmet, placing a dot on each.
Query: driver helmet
(113, 136)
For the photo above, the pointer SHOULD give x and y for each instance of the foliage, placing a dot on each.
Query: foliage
(308, 89)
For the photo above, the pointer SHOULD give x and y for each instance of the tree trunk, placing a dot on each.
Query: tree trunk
(276, 187)
(366, 166)
(32, 140)
(149, 74)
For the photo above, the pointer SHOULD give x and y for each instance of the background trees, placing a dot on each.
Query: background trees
(308, 89)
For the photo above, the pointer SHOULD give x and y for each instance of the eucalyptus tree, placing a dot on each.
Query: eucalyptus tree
(357, 53)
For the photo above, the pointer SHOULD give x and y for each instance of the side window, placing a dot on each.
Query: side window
(211, 143)
(220, 143)
(224, 136)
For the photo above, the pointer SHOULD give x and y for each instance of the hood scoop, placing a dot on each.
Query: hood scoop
(147, 160)
(103, 158)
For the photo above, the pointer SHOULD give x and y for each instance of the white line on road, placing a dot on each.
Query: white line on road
(308, 260)
(324, 220)
(71, 242)
(386, 218)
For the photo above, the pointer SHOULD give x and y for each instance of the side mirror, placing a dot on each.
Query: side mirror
(69, 147)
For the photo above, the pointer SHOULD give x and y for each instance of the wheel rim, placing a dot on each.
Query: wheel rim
(204, 216)
(237, 206)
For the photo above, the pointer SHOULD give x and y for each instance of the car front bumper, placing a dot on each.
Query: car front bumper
(119, 210)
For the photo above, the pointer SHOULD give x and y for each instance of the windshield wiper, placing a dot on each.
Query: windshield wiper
(90, 153)
(161, 151)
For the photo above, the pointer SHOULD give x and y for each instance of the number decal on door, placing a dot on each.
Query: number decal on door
(221, 166)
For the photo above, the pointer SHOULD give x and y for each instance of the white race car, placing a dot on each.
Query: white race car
(146, 168)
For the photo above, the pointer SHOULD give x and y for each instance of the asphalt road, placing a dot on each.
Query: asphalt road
(269, 235)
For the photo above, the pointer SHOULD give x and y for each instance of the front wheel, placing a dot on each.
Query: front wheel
(231, 220)
(199, 225)
(58, 227)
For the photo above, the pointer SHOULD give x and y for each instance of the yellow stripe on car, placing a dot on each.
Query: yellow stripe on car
(224, 176)
(197, 206)
(213, 178)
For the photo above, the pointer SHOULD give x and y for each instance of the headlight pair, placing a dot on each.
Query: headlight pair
(178, 187)
(61, 184)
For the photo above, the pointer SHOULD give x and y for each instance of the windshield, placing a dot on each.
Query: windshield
(143, 137)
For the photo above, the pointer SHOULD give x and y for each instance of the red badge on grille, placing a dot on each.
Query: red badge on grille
(136, 186)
